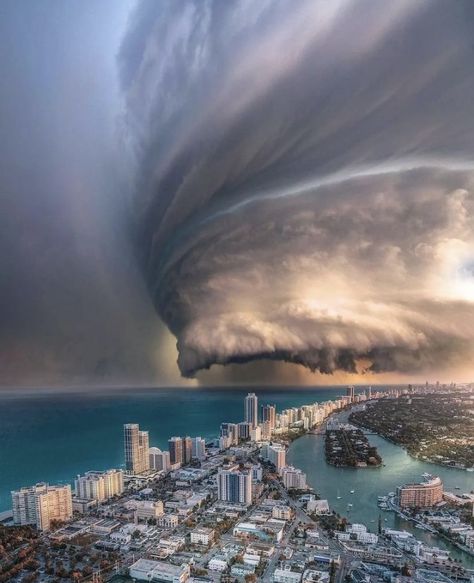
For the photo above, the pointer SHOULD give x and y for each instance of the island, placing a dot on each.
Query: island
(347, 446)
(434, 427)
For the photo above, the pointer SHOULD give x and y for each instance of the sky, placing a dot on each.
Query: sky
(204, 192)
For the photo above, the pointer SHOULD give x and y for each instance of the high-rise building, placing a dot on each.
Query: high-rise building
(244, 430)
(230, 430)
(369, 393)
(175, 446)
(42, 504)
(424, 495)
(187, 450)
(159, 460)
(235, 486)
(350, 393)
(276, 455)
(266, 431)
(269, 414)
(99, 486)
(199, 448)
(293, 478)
(136, 446)
(251, 409)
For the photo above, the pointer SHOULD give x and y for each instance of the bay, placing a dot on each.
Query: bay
(399, 468)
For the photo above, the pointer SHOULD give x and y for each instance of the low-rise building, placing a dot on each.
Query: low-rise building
(202, 536)
(217, 564)
(148, 570)
(168, 520)
(286, 576)
(282, 512)
(319, 507)
(148, 510)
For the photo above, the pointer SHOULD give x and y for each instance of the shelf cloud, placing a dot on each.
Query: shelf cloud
(304, 179)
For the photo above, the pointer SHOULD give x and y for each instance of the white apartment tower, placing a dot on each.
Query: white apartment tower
(159, 460)
(198, 448)
(293, 478)
(276, 454)
(251, 410)
(99, 486)
(136, 446)
(39, 505)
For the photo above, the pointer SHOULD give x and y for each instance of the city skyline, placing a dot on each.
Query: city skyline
(156, 513)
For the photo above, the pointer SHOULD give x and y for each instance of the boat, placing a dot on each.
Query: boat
(457, 488)
(339, 497)
(352, 491)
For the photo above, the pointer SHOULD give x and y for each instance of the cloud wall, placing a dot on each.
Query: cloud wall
(304, 179)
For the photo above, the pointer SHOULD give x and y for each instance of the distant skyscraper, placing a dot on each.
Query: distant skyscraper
(235, 486)
(244, 430)
(230, 430)
(136, 445)
(41, 504)
(175, 446)
(187, 450)
(199, 448)
(269, 414)
(369, 393)
(251, 409)
(159, 460)
(350, 393)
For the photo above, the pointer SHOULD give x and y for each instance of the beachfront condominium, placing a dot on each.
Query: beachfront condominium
(175, 447)
(136, 446)
(269, 415)
(235, 486)
(251, 410)
(276, 455)
(99, 486)
(198, 448)
(230, 430)
(293, 478)
(42, 504)
(159, 460)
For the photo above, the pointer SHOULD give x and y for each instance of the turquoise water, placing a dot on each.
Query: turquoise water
(51, 436)
(330, 482)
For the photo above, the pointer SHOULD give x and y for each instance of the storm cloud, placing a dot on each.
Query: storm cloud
(304, 179)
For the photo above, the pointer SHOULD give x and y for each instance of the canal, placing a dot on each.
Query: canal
(335, 485)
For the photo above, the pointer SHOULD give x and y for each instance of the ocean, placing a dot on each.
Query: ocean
(52, 436)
